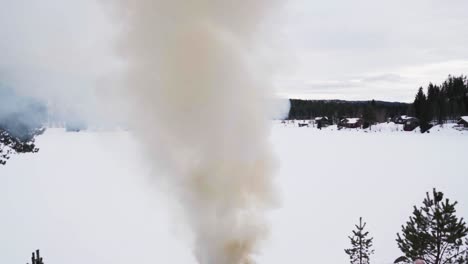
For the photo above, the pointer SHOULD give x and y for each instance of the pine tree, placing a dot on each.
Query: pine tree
(434, 233)
(466, 253)
(361, 245)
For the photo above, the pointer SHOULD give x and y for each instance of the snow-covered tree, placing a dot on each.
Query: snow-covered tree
(11, 144)
(361, 245)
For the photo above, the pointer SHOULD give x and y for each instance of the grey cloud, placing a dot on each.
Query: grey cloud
(390, 77)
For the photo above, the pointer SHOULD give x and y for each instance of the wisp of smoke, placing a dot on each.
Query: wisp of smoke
(20, 115)
(202, 107)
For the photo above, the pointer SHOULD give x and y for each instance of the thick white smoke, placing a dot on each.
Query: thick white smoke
(201, 106)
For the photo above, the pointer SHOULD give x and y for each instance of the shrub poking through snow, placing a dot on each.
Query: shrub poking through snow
(434, 233)
(36, 258)
(361, 245)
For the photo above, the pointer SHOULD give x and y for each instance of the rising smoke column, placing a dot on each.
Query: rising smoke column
(201, 107)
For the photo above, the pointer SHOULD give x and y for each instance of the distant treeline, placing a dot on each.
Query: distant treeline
(439, 104)
(377, 111)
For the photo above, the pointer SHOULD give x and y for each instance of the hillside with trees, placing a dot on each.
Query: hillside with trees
(21, 120)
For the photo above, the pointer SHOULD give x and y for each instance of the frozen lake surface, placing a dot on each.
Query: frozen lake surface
(89, 197)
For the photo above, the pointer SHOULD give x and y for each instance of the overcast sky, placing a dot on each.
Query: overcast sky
(374, 49)
(361, 49)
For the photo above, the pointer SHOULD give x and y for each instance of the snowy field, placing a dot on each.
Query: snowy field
(89, 197)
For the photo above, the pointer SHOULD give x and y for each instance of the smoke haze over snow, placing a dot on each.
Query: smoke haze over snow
(58, 52)
(201, 104)
(19, 115)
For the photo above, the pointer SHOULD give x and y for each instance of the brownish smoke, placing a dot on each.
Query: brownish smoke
(200, 104)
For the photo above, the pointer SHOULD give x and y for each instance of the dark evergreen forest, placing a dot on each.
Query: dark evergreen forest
(378, 111)
(443, 102)
(437, 104)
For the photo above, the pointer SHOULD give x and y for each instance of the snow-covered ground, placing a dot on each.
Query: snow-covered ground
(446, 129)
(89, 197)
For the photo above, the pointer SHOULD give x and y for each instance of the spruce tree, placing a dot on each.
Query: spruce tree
(421, 107)
(434, 233)
(369, 114)
(432, 106)
(361, 245)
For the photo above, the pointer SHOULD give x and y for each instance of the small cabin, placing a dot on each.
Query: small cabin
(322, 121)
(463, 121)
(410, 124)
(350, 122)
(402, 119)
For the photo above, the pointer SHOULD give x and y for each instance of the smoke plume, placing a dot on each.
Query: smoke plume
(201, 106)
